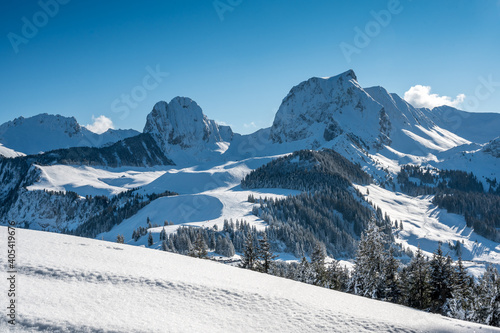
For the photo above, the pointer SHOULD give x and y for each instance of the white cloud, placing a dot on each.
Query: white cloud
(420, 97)
(222, 123)
(251, 125)
(101, 124)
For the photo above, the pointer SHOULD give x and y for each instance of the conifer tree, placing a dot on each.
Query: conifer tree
(199, 249)
(337, 277)
(150, 239)
(249, 256)
(440, 280)
(392, 292)
(487, 298)
(415, 282)
(318, 265)
(368, 278)
(265, 255)
(460, 306)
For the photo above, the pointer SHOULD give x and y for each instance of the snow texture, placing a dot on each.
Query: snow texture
(70, 284)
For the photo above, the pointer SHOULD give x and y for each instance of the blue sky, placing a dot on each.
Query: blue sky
(238, 59)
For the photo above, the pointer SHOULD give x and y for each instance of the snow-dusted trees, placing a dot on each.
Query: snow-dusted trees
(200, 247)
(368, 277)
(224, 247)
(441, 281)
(120, 239)
(250, 253)
(487, 298)
(461, 303)
(415, 285)
(150, 239)
(318, 268)
(265, 255)
(337, 276)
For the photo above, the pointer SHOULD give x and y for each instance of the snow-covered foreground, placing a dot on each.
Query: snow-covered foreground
(71, 284)
(426, 225)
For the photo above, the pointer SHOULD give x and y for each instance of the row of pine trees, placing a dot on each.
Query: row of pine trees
(437, 285)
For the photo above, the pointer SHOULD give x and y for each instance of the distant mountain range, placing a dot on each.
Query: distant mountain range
(52, 169)
(46, 132)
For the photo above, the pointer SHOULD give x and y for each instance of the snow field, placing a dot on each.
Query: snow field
(69, 284)
(426, 225)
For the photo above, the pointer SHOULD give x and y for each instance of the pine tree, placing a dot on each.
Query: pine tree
(199, 249)
(415, 282)
(163, 234)
(249, 256)
(392, 291)
(318, 265)
(305, 272)
(487, 298)
(120, 239)
(461, 304)
(265, 255)
(337, 277)
(440, 281)
(368, 278)
(150, 239)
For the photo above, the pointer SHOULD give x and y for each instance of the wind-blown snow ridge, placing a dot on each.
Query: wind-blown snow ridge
(67, 281)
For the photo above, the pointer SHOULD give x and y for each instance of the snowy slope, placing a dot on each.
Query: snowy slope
(46, 132)
(86, 180)
(69, 284)
(477, 127)
(7, 152)
(425, 225)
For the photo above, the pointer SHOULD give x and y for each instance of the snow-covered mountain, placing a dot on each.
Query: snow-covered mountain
(336, 108)
(71, 284)
(479, 127)
(181, 150)
(185, 170)
(183, 131)
(46, 132)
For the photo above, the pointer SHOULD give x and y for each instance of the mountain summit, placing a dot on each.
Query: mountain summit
(324, 108)
(45, 132)
(181, 125)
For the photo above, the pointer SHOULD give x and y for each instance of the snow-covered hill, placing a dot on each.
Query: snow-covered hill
(72, 284)
(46, 132)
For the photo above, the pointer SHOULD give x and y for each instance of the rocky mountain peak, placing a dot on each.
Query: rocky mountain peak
(324, 108)
(181, 123)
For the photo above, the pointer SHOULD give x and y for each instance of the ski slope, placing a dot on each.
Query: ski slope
(72, 284)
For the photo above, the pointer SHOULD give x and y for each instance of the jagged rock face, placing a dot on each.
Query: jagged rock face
(493, 148)
(327, 108)
(182, 123)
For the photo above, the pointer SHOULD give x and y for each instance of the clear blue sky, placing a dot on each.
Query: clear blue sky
(90, 53)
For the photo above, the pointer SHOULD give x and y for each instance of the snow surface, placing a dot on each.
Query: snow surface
(7, 152)
(207, 197)
(425, 225)
(93, 181)
(72, 284)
